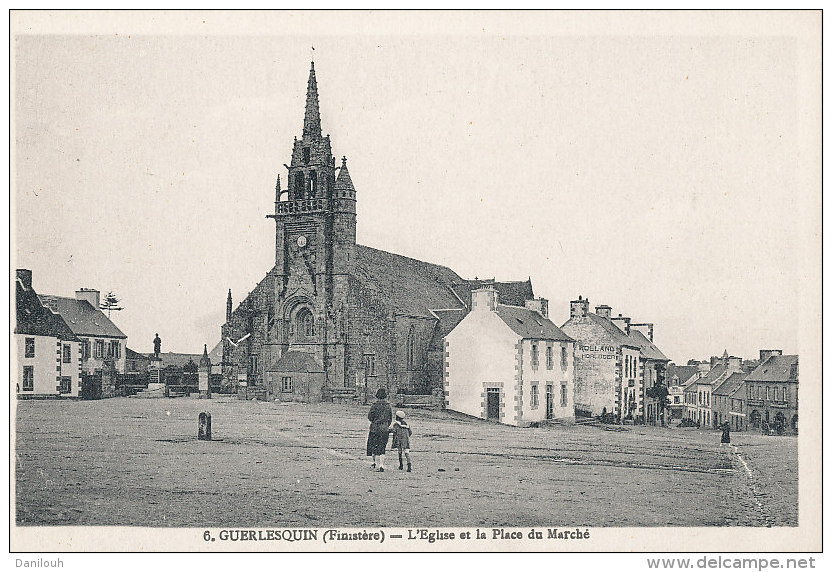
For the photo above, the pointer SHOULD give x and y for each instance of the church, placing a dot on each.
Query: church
(334, 319)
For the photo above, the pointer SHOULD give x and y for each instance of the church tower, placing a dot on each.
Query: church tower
(314, 246)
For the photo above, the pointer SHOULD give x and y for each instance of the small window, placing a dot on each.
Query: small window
(370, 365)
(66, 385)
(535, 396)
(563, 395)
(28, 378)
(286, 384)
(535, 357)
(550, 357)
(30, 347)
(99, 349)
(67, 353)
(85, 349)
(564, 358)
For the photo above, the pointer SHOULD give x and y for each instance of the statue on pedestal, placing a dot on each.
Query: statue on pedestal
(157, 345)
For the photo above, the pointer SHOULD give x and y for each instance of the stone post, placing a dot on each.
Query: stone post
(204, 426)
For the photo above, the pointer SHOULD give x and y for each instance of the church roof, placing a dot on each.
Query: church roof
(296, 362)
(403, 284)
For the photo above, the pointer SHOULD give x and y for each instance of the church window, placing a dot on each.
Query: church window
(305, 324)
(252, 369)
(306, 154)
(411, 347)
(313, 184)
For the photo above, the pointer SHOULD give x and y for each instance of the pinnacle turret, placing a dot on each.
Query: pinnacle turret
(344, 182)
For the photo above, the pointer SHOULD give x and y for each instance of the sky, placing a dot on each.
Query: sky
(660, 171)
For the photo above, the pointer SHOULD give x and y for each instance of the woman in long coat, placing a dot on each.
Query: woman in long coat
(380, 416)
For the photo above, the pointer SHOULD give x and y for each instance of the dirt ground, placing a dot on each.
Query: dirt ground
(137, 462)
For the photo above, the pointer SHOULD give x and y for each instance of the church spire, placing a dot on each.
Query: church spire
(228, 307)
(312, 117)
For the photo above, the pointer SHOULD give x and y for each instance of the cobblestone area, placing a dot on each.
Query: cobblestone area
(137, 462)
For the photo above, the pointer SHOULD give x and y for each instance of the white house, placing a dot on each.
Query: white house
(48, 353)
(509, 363)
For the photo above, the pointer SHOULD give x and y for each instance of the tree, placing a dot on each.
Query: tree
(659, 392)
(110, 303)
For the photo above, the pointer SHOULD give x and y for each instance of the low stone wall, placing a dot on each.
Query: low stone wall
(424, 401)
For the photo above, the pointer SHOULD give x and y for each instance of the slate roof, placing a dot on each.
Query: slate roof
(406, 285)
(449, 319)
(648, 348)
(685, 372)
(81, 317)
(35, 320)
(296, 362)
(613, 330)
(528, 324)
(775, 368)
(344, 181)
(730, 386)
(510, 293)
(713, 376)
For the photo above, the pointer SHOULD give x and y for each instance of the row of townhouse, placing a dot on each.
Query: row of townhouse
(512, 364)
(61, 342)
(765, 398)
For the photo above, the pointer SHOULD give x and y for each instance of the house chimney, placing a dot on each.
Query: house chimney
(578, 308)
(623, 323)
(764, 354)
(485, 298)
(25, 277)
(646, 329)
(540, 305)
(90, 295)
(734, 364)
(604, 311)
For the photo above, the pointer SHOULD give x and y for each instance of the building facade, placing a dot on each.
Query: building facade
(615, 364)
(678, 377)
(772, 393)
(509, 364)
(363, 318)
(729, 402)
(48, 352)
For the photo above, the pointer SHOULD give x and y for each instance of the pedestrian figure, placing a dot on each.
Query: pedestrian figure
(401, 438)
(726, 433)
(380, 416)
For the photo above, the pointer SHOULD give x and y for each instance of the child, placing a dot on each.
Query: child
(401, 438)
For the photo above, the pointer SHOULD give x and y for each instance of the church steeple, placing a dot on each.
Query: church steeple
(228, 307)
(312, 117)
